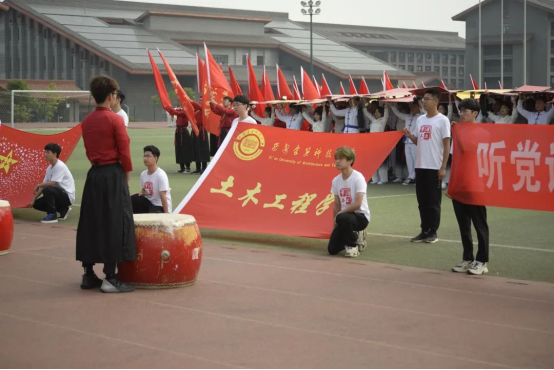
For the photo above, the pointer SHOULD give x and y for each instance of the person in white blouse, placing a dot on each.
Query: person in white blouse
(409, 147)
(541, 116)
(293, 120)
(504, 116)
(339, 121)
(377, 123)
(350, 115)
(268, 119)
(316, 118)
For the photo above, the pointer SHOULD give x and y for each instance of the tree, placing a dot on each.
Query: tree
(47, 107)
(24, 103)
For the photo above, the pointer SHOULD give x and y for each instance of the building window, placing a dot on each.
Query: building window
(411, 68)
(419, 69)
(453, 59)
(53, 62)
(436, 69)
(460, 84)
(419, 57)
(428, 58)
(221, 59)
(445, 71)
(461, 59)
(410, 57)
(401, 57)
(402, 67)
(427, 68)
(260, 60)
(452, 71)
(461, 72)
(445, 59)
(437, 58)
(244, 60)
(393, 56)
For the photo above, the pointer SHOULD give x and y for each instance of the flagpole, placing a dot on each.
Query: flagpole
(525, 42)
(502, 42)
(480, 47)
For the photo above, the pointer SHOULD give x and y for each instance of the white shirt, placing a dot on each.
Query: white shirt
(339, 123)
(153, 184)
(501, 119)
(292, 121)
(377, 125)
(409, 122)
(430, 146)
(317, 126)
(270, 121)
(61, 175)
(347, 189)
(246, 120)
(124, 116)
(350, 119)
(535, 118)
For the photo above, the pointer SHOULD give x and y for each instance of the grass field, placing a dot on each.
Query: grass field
(522, 242)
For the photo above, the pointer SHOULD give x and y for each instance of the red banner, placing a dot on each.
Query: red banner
(22, 163)
(503, 165)
(268, 180)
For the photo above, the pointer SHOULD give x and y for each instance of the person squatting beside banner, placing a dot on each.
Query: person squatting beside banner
(268, 180)
(503, 165)
(22, 163)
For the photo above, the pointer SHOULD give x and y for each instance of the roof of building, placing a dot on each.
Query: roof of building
(547, 5)
(112, 30)
(66, 85)
(390, 37)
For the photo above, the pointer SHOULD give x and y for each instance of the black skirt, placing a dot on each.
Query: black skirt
(214, 139)
(201, 146)
(183, 146)
(106, 232)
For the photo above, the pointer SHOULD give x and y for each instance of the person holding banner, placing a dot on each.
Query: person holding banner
(350, 211)
(504, 115)
(200, 142)
(105, 233)
(293, 121)
(227, 114)
(182, 141)
(350, 114)
(241, 105)
(377, 124)
(466, 214)
(433, 149)
(268, 119)
(540, 116)
(317, 120)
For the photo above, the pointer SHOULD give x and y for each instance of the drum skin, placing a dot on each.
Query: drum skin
(6, 227)
(169, 252)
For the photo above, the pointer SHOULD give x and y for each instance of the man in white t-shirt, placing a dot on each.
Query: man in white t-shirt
(432, 152)
(241, 105)
(350, 211)
(117, 107)
(57, 188)
(155, 193)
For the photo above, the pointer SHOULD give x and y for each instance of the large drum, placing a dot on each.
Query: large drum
(6, 227)
(169, 252)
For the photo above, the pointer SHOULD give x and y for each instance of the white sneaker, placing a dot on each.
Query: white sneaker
(361, 240)
(443, 185)
(397, 180)
(478, 268)
(381, 183)
(351, 251)
(407, 182)
(462, 266)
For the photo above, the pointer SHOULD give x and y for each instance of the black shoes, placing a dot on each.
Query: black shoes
(90, 282)
(116, 286)
(421, 237)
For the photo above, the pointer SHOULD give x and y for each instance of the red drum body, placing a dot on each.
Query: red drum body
(169, 252)
(6, 227)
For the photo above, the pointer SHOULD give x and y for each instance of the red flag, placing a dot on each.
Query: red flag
(386, 79)
(317, 85)
(267, 91)
(296, 91)
(160, 86)
(414, 86)
(22, 164)
(184, 99)
(423, 85)
(473, 83)
(283, 89)
(218, 85)
(230, 197)
(353, 90)
(500, 85)
(309, 91)
(443, 85)
(486, 88)
(210, 120)
(364, 90)
(234, 84)
(325, 90)
(404, 86)
(254, 93)
(342, 92)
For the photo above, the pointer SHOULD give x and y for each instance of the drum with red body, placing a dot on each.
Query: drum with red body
(6, 227)
(169, 252)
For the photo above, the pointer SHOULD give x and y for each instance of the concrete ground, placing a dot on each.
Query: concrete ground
(261, 308)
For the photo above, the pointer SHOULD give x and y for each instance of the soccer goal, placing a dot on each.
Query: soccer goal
(36, 106)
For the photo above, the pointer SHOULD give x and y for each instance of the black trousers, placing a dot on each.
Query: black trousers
(343, 233)
(466, 214)
(143, 205)
(54, 200)
(429, 197)
(109, 268)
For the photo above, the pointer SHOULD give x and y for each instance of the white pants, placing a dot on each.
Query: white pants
(381, 174)
(410, 150)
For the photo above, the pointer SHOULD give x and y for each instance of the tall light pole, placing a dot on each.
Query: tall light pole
(311, 12)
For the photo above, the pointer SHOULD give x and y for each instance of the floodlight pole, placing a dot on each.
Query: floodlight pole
(311, 47)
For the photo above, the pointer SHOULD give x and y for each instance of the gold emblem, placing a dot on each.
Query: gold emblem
(249, 144)
(7, 161)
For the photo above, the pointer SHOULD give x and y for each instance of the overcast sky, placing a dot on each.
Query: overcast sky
(416, 14)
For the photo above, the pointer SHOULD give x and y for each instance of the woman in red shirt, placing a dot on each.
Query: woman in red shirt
(105, 233)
